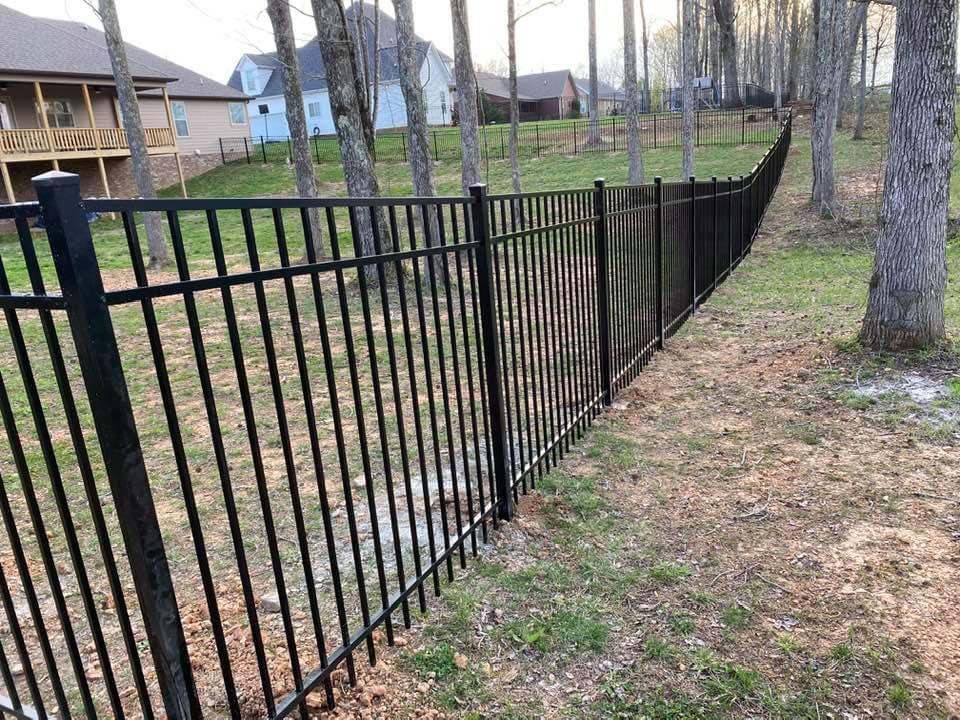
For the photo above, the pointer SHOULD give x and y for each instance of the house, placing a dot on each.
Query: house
(58, 108)
(609, 100)
(258, 76)
(542, 96)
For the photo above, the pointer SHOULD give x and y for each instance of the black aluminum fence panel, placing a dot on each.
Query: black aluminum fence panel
(222, 480)
(536, 139)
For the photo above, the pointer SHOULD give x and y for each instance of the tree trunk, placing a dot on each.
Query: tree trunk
(133, 126)
(905, 309)
(689, 100)
(778, 61)
(796, 45)
(347, 108)
(357, 49)
(647, 98)
(375, 80)
(857, 16)
(514, 97)
(421, 163)
(726, 14)
(830, 56)
(862, 90)
(279, 14)
(467, 110)
(635, 163)
(593, 138)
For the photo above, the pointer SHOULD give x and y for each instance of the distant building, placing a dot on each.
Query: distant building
(258, 76)
(610, 100)
(543, 96)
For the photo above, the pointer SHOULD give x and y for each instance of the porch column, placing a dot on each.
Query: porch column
(173, 134)
(7, 183)
(96, 138)
(42, 110)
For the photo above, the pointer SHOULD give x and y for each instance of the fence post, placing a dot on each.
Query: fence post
(316, 148)
(693, 245)
(290, 150)
(403, 145)
(698, 127)
(502, 155)
(741, 220)
(436, 155)
(716, 233)
(223, 156)
(603, 288)
(575, 150)
(263, 149)
(537, 126)
(76, 265)
(729, 224)
(246, 149)
(654, 131)
(658, 252)
(491, 348)
(743, 126)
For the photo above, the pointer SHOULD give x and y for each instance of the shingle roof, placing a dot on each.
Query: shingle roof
(42, 46)
(538, 86)
(313, 74)
(604, 90)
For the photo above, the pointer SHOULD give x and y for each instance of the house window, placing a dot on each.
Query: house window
(263, 109)
(59, 113)
(237, 115)
(250, 84)
(179, 110)
(314, 109)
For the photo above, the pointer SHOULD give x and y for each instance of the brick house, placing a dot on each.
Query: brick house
(543, 96)
(58, 109)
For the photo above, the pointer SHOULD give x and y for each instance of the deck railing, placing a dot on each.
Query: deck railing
(32, 141)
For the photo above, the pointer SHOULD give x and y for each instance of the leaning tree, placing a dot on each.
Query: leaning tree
(905, 309)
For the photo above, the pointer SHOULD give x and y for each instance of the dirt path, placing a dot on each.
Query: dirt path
(748, 532)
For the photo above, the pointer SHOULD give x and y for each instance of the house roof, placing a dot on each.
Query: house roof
(538, 86)
(604, 90)
(313, 74)
(40, 46)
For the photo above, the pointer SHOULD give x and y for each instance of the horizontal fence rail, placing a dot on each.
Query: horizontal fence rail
(566, 137)
(226, 480)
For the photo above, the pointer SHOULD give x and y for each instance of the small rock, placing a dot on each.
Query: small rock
(270, 602)
(359, 482)
(400, 641)
(16, 669)
(461, 661)
(378, 691)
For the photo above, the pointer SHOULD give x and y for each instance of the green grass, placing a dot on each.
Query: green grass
(669, 573)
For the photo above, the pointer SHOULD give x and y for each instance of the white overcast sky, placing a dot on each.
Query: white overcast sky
(209, 36)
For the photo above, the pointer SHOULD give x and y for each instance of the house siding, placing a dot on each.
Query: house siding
(207, 120)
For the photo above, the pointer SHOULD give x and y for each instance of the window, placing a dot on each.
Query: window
(250, 81)
(263, 109)
(313, 109)
(179, 110)
(59, 113)
(237, 115)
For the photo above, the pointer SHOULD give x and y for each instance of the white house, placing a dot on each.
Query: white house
(259, 77)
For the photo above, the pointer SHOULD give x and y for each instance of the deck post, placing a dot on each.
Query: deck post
(7, 183)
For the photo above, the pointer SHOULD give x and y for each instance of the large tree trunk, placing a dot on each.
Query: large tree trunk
(857, 16)
(375, 80)
(905, 309)
(796, 45)
(594, 106)
(421, 163)
(514, 97)
(726, 14)
(689, 99)
(647, 100)
(347, 108)
(778, 32)
(133, 126)
(357, 47)
(279, 13)
(467, 110)
(830, 56)
(862, 89)
(635, 163)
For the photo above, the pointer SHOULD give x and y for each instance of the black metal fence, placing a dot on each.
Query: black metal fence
(223, 480)
(559, 137)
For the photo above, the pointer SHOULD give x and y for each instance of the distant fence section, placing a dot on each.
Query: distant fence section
(558, 137)
(221, 478)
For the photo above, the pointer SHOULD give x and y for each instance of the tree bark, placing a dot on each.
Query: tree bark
(905, 309)
(347, 108)
(726, 14)
(862, 89)
(279, 13)
(514, 97)
(647, 98)
(796, 45)
(467, 110)
(689, 99)
(631, 109)
(133, 126)
(357, 49)
(857, 17)
(778, 61)
(594, 104)
(830, 56)
(375, 102)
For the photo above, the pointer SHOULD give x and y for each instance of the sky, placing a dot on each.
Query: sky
(209, 36)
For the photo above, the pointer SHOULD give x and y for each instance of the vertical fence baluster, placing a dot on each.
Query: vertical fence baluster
(75, 260)
(603, 291)
(658, 255)
(491, 349)
(693, 244)
(716, 233)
